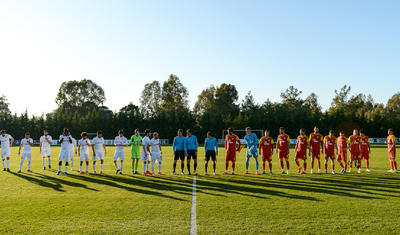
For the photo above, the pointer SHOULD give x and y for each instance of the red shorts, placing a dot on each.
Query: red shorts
(266, 158)
(392, 155)
(342, 157)
(354, 156)
(330, 156)
(300, 155)
(230, 156)
(282, 155)
(315, 155)
(365, 156)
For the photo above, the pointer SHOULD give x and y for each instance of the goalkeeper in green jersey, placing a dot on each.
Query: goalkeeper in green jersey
(135, 142)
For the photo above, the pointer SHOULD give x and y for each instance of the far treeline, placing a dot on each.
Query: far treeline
(164, 108)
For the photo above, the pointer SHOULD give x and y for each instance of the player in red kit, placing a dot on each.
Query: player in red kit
(391, 143)
(316, 146)
(365, 149)
(232, 144)
(266, 145)
(342, 151)
(330, 146)
(355, 150)
(282, 148)
(301, 151)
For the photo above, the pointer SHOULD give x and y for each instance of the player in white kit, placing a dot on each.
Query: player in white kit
(45, 148)
(120, 142)
(6, 143)
(65, 140)
(72, 151)
(99, 149)
(146, 152)
(83, 151)
(26, 145)
(156, 154)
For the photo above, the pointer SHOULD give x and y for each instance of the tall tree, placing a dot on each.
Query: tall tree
(151, 99)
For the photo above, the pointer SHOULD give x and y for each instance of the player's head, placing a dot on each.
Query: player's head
(302, 131)
(65, 131)
(180, 132)
(248, 130)
(230, 131)
(45, 132)
(316, 129)
(390, 131)
(84, 135)
(147, 132)
(209, 134)
(189, 132)
(266, 132)
(3, 132)
(27, 135)
(341, 133)
(99, 133)
(331, 132)
(121, 132)
(355, 132)
(362, 132)
(155, 135)
(281, 130)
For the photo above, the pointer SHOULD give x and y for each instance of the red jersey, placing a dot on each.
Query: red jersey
(302, 144)
(315, 142)
(266, 144)
(232, 143)
(365, 145)
(355, 141)
(283, 143)
(342, 144)
(391, 142)
(329, 144)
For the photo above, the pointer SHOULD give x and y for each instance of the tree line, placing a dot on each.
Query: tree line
(164, 107)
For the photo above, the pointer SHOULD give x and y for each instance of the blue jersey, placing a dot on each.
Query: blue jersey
(252, 142)
(179, 144)
(211, 144)
(191, 143)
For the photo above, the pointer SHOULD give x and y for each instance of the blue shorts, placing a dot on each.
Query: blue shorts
(252, 153)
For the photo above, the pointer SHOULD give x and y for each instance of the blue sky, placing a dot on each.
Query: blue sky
(259, 46)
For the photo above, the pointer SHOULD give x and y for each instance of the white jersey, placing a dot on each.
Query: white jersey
(72, 145)
(65, 143)
(120, 140)
(155, 146)
(43, 141)
(84, 143)
(26, 145)
(145, 142)
(5, 141)
(98, 144)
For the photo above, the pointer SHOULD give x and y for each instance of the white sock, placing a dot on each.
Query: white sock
(159, 167)
(144, 167)
(116, 165)
(8, 163)
(94, 167)
(44, 162)
(152, 166)
(72, 162)
(147, 166)
(4, 163)
(29, 165)
(66, 168)
(20, 164)
(122, 165)
(87, 167)
(59, 167)
(80, 168)
(101, 167)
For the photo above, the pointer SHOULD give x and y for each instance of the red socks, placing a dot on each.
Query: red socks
(263, 165)
(282, 166)
(226, 165)
(305, 166)
(297, 163)
(287, 164)
(270, 166)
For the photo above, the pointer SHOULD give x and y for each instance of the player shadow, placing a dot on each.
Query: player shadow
(105, 180)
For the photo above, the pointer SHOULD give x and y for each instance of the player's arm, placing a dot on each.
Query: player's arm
(216, 147)
(272, 146)
(174, 145)
(197, 144)
(295, 147)
(12, 141)
(322, 144)
(19, 150)
(94, 152)
(184, 146)
(337, 151)
(277, 145)
(288, 149)
(239, 143)
(259, 146)
(104, 147)
(30, 143)
(79, 149)
(369, 146)
(40, 147)
(75, 147)
(49, 140)
(309, 146)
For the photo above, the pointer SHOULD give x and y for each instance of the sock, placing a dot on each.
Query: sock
(48, 159)
(44, 162)
(312, 164)
(270, 166)
(20, 164)
(59, 167)
(122, 166)
(116, 165)
(226, 165)
(263, 165)
(345, 166)
(256, 165)
(214, 166)
(233, 166)
(133, 165)
(298, 163)
(326, 166)
(4, 164)
(66, 168)
(182, 166)
(80, 168)
(395, 165)
(287, 165)
(8, 163)
(87, 167)
(72, 162)
(247, 165)
(188, 167)
(101, 166)
(195, 166)
(305, 165)
(159, 166)
(137, 165)
(94, 167)
(205, 167)
(367, 163)
(319, 164)
(351, 165)
(152, 166)
(333, 165)
(174, 166)
(282, 166)
(29, 165)
(341, 164)
(147, 166)
(144, 167)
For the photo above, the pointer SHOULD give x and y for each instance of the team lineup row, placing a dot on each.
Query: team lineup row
(186, 148)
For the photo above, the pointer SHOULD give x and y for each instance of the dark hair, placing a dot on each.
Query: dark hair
(390, 129)
(230, 129)
(362, 131)
(302, 129)
(331, 131)
(136, 129)
(266, 130)
(99, 132)
(209, 133)
(83, 134)
(27, 133)
(281, 128)
(341, 132)
(65, 130)
(248, 128)
(147, 131)
(180, 130)
(2, 131)
(316, 127)
(189, 131)
(121, 131)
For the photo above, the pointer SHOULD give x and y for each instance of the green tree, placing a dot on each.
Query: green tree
(151, 99)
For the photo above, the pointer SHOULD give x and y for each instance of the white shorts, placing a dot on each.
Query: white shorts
(145, 157)
(64, 156)
(120, 155)
(99, 155)
(27, 155)
(5, 153)
(46, 152)
(156, 157)
(84, 156)
(71, 154)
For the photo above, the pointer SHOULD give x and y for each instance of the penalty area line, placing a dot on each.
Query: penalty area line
(193, 223)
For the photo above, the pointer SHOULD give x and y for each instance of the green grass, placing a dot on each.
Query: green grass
(42, 202)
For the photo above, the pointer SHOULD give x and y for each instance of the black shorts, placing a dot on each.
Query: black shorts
(210, 154)
(179, 155)
(192, 154)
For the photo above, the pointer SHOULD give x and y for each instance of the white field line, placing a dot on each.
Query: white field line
(193, 223)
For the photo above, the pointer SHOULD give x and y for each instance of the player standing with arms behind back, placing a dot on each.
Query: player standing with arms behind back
(251, 142)
(365, 149)
(342, 151)
(99, 150)
(45, 148)
(65, 140)
(211, 151)
(232, 144)
(301, 151)
(156, 153)
(120, 142)
(282, 148)
(6, 144)
(316, 147)
(391, 143)
(266, 150)
(26, 145)
(330, 145)
(135, 142)
(179, 149)
(83, 151)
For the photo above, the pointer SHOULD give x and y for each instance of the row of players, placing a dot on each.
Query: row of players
(186, 147)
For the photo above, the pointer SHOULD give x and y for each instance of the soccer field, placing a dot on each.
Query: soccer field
(42, 202)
